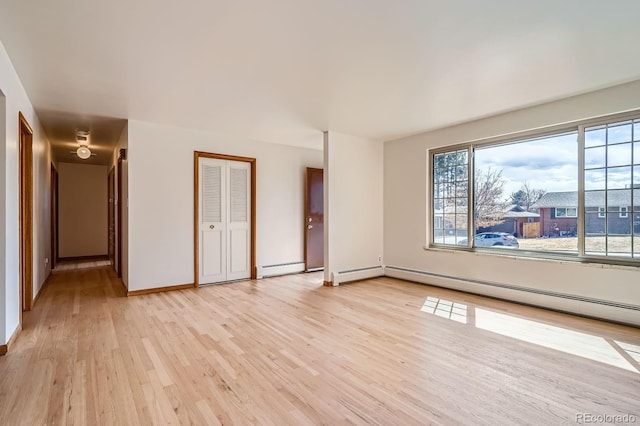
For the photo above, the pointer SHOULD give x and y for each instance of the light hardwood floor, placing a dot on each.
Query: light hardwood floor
(289, 351)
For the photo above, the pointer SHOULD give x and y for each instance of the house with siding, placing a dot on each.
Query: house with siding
(613, 212)
(513, 222)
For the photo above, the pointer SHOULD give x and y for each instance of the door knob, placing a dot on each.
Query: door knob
(309, 226)
(211, 226)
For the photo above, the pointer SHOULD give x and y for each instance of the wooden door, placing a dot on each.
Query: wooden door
(26, 213)
(111, 214)
(314, 220)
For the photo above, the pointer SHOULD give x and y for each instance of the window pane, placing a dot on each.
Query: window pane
(595, 157)
(619, 155)
(450, 187)
(620, 133)
(619, 245)
(636, 130)
(595, 136)
(617, 225)
(618, 199)
(438, 222)
(519, 184)
(595, 245)
(595, 224)
(594, 179)
(618, 177)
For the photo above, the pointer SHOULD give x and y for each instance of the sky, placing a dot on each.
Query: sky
(551, 163)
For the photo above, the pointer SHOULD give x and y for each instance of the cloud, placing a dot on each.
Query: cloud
(548, 163)
(536, 163)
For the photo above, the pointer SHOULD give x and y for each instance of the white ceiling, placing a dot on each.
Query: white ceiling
(285, 70)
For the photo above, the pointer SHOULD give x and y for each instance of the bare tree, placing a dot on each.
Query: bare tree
(527, 196)
(489, 207)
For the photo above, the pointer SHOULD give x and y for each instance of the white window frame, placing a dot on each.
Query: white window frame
(566, 212)
(578, 126)
(624, 212)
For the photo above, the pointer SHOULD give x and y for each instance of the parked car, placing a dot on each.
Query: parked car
(493, 239)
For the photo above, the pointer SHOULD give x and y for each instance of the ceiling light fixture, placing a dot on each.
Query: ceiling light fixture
(83, 152)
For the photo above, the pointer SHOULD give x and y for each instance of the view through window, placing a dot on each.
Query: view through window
(526, 193)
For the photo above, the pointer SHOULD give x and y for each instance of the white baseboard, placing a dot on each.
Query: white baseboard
(612, 311)
(357, 274)
(281, 269)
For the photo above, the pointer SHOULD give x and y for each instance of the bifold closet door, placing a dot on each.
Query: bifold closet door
(225, 220)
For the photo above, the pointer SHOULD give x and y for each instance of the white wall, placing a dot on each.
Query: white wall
(123, 143)
(353, 203)
(161, 200)
(406, 206)
(42, 159)
(4, 335)
(82, 210)
(16, 100)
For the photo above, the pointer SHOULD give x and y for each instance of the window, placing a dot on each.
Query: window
(566, 212)
(611, 179)
(450, 196)
(567, 192)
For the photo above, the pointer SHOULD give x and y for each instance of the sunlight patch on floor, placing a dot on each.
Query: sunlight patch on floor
(445, 309)
(549, 336)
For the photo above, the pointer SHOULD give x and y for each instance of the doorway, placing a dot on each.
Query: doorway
(26, 212)
(119, 195)
(111, 217)
(314, 220)
(224, 218)
(54, 217)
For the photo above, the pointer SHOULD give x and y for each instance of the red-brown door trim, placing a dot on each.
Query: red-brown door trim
(25, 152)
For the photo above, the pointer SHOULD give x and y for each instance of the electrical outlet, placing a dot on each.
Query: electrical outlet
(46, 261)
(379, 258)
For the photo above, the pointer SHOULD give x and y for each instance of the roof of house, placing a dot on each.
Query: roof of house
(616, 197)
(513, 214)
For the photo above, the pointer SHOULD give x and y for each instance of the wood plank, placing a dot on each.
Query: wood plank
(287, 350)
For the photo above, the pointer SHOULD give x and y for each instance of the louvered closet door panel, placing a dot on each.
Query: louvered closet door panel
(213, 229)
(239, 226)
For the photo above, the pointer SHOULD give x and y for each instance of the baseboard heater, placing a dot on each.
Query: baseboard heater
(357, 274)
(280, 269)
(549, 299)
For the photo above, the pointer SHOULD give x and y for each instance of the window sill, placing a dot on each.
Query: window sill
(596, 262)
